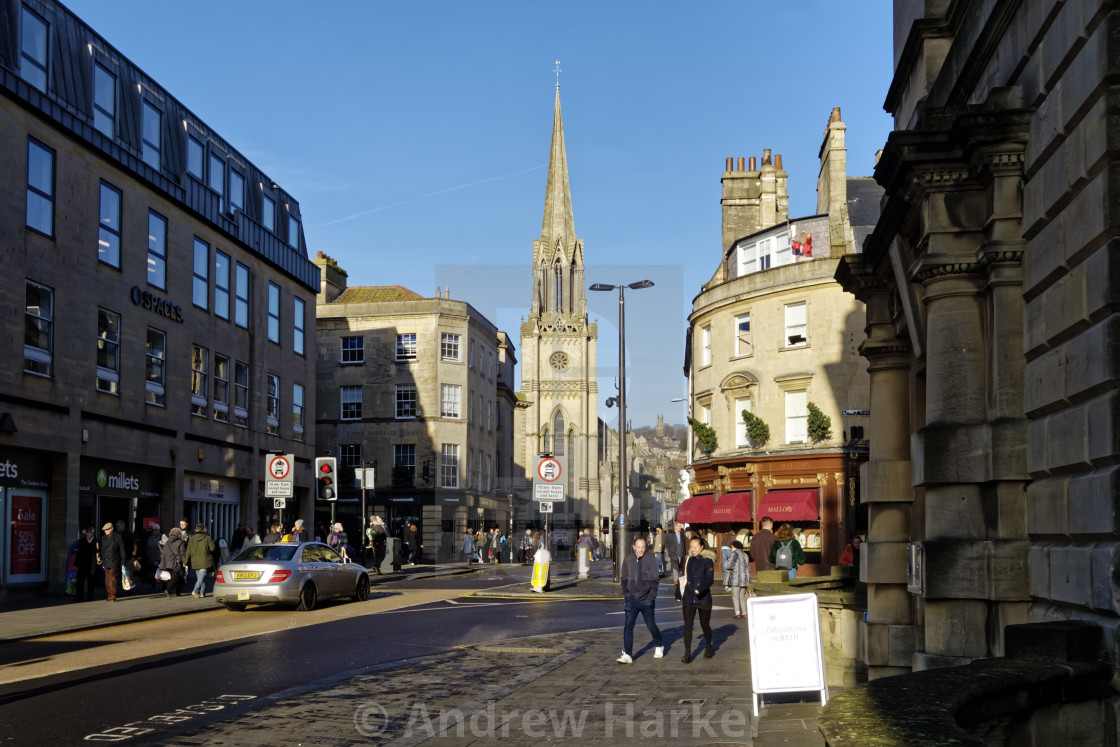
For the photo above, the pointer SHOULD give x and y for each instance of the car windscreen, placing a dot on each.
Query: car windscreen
(267, 552)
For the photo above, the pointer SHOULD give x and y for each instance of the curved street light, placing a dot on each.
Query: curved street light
(623, 473)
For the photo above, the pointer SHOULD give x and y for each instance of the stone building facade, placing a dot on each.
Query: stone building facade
(419, 389)
(992, 287)
(559, 392)
(159, 307)
(770, 334)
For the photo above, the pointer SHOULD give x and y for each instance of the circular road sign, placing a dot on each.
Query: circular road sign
(279, 467)
(549, 469)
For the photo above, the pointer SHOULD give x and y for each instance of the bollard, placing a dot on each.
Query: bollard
(584, 559)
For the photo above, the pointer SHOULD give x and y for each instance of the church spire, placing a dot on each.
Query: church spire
(558, 219)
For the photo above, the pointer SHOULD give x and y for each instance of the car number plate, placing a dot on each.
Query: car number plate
(243, 596)
(246, 576)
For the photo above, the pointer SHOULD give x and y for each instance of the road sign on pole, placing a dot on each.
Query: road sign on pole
(548, 493)
(545, 507)
(549, 470)
(279, 476)
(279, 502)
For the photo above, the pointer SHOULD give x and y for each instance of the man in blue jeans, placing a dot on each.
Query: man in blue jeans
(639, 589)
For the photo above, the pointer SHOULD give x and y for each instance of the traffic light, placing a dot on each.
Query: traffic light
(325, 468)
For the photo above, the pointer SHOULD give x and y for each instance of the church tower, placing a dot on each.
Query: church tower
(559, 411)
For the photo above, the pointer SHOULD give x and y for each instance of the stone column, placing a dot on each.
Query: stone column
(885, 480)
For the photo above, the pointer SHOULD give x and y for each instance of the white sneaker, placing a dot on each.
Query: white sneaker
(625, 659)
(659, 652)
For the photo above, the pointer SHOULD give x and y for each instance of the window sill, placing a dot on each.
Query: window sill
(352, 363)
(786, 348)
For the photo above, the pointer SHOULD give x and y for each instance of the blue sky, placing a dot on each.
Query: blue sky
(415, 135)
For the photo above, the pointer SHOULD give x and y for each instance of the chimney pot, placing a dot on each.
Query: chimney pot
(728, 163)
(766, 157)
(778, 162)
(754, 164)
(741, 164)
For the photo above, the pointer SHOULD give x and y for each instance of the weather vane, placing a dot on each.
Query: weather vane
(558, 71)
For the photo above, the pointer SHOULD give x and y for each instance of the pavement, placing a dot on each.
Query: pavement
(547, 689)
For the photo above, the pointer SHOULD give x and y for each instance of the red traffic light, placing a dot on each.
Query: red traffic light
(325, 468)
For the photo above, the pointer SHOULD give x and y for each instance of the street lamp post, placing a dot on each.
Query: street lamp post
(623, 473)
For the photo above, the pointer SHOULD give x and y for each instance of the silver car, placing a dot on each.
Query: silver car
(289, 573)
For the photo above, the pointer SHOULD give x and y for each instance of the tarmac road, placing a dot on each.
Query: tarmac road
(213, 665)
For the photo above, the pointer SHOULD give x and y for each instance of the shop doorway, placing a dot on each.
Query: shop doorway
(111, 509)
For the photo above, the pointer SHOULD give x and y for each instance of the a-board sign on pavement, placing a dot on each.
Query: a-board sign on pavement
(786, 652)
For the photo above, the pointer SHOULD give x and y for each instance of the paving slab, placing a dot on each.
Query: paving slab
(550, 689)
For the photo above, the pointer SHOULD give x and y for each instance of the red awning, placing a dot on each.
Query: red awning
(695, 510)
(790, 505)
(733, 507)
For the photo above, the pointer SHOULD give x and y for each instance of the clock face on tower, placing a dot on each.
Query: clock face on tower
(559, 361)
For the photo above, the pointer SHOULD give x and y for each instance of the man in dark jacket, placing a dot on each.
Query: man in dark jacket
(761, 544)
(639, 589)
(111, 556)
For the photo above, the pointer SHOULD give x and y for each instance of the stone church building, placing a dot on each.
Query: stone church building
(558, 410)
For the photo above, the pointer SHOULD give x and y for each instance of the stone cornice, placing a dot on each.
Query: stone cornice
(945, 269)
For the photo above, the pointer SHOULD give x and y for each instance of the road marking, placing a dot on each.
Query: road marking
(179, 715)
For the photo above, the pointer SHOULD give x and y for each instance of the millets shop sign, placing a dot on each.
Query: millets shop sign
(24, 470)
(120, 479)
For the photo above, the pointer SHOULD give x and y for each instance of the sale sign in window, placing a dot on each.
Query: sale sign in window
(25, 543)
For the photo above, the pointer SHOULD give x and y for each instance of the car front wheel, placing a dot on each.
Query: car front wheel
(307, 598)
(361, 594)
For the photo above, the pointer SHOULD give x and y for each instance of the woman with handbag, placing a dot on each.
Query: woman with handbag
(694, 590)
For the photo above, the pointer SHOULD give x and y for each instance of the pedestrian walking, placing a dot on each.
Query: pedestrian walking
(737, 577)
(676, 545)
(414, 546)
(761, 543)
(274, 534)
(251, 538)
(495, 546)
(526, 547)
(86, 565)
(658, 548)
(695, 584)
(786, 553)
(339, 540)
(299, 534)
(151, 557)
(470, 549)
(200, 558)
(378, 542)
(639, 590)
(172, 560)
(111, 556)
(237, 540)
